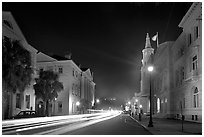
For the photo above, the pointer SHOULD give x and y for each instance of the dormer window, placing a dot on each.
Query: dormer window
(7, 23)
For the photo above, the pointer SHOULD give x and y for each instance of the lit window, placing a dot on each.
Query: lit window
(195, 98)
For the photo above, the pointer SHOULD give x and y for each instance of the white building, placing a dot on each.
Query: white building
(17, 101)
(177, 79)
(87, 87)
(78, 85)
(70, 76)
(187, 66)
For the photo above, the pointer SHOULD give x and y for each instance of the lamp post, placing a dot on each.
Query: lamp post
(150, 69)
(136, 107)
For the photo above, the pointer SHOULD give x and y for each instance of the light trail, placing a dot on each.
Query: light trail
(14, 126)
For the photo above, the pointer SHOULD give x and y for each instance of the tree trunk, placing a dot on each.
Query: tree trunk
(47, 108)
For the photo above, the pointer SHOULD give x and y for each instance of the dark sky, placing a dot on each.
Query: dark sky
(108, 37)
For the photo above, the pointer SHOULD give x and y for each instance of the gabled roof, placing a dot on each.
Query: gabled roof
(87, 71)
(189, 13)
(41, 57)
(57, 57)
(9, 23)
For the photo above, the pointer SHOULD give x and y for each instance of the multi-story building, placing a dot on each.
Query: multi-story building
(12, 103)
(177, 76)
(187, 66)
(87, 88)
(161, 80)
(77, 84)
(70, 76)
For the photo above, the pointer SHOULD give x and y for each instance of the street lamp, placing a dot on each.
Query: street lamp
(97, 100)
(77, 103)
(150, 69)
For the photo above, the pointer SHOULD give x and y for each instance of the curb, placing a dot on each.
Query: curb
(141, 125)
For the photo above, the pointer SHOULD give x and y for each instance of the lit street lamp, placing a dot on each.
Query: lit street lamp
(77, 103)
(150, 69)
(97, 100)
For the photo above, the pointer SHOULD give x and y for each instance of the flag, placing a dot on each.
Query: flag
(154, 38)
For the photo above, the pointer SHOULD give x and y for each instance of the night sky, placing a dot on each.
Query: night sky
(108, 37)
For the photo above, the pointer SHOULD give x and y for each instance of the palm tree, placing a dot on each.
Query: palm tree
(47, 87)
(16, 69)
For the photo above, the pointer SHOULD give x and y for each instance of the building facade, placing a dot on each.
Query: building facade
(161, 80)
(77, 84)
(87, 89)
(177, 75)
(12, 103)
(187, 66)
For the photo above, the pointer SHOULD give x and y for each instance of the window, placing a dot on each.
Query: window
(18, 100)
(184, 104)
(196, 32)
(73, 72)
(59, 106)
(195, 63)
(73, 89)
(189, 39)
(27, 101)
(7, 23)
(60, 69)
(195, 98)
(182, 73)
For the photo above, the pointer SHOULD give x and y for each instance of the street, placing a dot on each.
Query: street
(109, 123)
(120, 125)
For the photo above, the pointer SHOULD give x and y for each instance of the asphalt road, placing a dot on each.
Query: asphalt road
(120, 125)
(99, 124)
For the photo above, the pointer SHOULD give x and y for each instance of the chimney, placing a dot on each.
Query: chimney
(68, 55)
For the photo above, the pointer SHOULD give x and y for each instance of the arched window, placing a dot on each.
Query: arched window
(195, 98)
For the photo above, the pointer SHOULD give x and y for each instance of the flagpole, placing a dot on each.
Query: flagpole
(157, 39)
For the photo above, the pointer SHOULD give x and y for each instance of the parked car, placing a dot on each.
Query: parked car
(25, 114)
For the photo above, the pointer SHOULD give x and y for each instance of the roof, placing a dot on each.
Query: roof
(193, 7)
(41, 57)
(57, 57)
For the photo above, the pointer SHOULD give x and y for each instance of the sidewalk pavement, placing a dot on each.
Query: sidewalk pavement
(163, 126)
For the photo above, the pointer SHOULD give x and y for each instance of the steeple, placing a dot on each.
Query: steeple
(147, 44)
(147, 51)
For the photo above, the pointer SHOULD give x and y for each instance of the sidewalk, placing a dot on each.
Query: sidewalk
(163, 126)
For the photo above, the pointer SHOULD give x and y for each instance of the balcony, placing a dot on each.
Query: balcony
(193, 75)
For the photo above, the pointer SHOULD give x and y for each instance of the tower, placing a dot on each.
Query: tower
(145, 85)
